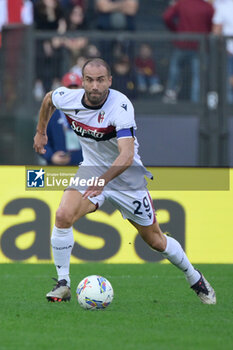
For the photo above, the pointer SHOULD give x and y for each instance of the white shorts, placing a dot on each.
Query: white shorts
(136, 206)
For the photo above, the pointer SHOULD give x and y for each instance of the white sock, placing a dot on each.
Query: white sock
(62, 242)
(175, 254)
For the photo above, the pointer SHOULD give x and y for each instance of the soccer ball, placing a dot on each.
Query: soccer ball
(94, 293)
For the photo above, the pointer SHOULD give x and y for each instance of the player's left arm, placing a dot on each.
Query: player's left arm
(121, 163)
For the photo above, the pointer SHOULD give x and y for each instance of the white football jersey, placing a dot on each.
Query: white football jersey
(98, 129)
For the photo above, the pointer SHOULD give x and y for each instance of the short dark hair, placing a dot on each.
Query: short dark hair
(97, 62)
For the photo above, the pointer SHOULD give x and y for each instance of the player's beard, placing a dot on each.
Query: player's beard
(96, 98)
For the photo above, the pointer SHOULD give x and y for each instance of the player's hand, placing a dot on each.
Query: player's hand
(93, 191)
(40, 140)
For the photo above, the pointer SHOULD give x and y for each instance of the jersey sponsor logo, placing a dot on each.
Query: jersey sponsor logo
(98, 134)
(83, 131)
(101, 117)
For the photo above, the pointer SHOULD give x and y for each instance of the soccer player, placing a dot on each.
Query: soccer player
(104, 121)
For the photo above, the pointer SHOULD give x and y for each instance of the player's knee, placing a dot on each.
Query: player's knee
(63, 218)
(158, 242)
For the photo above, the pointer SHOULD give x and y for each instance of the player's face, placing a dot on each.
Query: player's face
(96, 83)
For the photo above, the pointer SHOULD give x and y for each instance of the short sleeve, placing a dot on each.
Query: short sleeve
(124, 116)
(59, 97)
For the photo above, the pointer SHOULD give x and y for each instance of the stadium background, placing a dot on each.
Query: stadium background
(184, 134)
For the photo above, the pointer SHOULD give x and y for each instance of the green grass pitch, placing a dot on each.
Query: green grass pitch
(153, 308)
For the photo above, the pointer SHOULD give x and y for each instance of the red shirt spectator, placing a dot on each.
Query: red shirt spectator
(146, 66)
(189, 16)
(144, 61)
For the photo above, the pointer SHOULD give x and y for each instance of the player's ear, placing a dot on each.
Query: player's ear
(110, 80)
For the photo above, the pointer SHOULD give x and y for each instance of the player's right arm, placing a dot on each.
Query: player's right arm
(46, 111)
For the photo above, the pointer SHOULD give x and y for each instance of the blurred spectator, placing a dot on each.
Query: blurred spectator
(63, 147)
(76, 44)
(147, 78)
(118, 14)
(124, 76)
(76, 19)
(48, 15)
(186, 16)
(223, 25)
(49, 56)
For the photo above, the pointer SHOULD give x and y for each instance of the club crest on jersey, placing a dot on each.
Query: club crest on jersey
(101, 117)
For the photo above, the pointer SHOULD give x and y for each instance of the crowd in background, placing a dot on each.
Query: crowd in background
(158, 68)
(135, 68)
